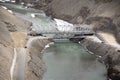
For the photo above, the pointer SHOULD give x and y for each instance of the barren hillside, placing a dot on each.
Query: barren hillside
(8, 23)
(103, 15)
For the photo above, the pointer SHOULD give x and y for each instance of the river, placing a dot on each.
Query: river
(70, 61)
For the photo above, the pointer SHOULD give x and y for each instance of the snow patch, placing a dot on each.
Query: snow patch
(63, 25)
(4, 7)
(33, 15)
(10, 11)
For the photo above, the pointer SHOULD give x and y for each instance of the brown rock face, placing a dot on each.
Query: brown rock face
(35, 66)
(103, 15)
(110, 56)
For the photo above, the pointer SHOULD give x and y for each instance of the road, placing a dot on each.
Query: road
(17, 71)
(20, 67)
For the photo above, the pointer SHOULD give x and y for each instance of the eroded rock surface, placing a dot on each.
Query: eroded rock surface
(35, 65)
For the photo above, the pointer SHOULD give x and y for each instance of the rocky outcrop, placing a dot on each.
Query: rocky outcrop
(109, 54)
(35, 66)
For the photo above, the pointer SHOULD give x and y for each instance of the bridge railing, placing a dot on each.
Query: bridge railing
(81, 31)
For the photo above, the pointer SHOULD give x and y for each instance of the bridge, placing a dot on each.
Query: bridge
(64, 36)
(67, 32)
(76, 31)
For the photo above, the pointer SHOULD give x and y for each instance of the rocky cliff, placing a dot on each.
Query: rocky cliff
(102, 15)
(109, 54)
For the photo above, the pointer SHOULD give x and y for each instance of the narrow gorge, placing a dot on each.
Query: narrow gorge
(29, 55)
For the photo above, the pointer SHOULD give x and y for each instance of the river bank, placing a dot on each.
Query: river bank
(107, 53)
(35, 66)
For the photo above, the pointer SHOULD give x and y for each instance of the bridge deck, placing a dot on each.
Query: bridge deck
(72, 32)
